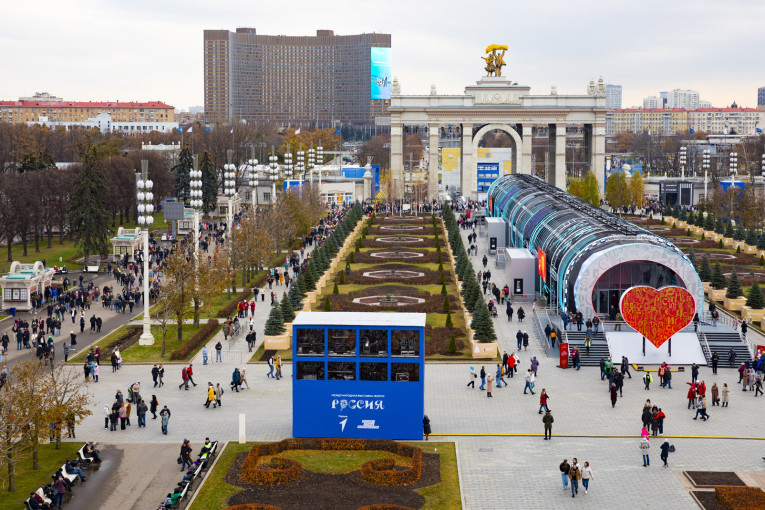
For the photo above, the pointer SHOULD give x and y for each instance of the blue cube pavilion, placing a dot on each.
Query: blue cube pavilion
(358, 375)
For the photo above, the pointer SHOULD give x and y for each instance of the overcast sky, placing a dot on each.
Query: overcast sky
(152, 50)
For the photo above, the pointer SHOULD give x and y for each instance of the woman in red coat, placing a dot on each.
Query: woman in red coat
(543, 401)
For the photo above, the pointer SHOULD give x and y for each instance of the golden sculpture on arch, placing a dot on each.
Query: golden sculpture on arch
(495, 59)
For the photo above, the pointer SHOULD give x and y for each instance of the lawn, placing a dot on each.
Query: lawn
(153, 353)
(336, 462)
(443, 496)
(357, 266)
(286, 355)
(205, 312)
(345, 288)
(80, 357)
(29, 481)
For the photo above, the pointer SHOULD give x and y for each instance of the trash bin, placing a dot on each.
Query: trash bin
(12, 312)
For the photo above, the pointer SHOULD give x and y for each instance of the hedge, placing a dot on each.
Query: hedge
(385, 507)
(226, 311)
(740, 498)
(282, 472)
(202, 336)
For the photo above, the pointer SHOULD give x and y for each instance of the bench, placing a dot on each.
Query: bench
(72, 477)
(41, 493)
(184, 493)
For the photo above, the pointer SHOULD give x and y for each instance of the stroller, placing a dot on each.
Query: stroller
(492, 309)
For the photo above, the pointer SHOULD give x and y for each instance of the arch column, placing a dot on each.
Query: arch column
(397, 159)
(468, 169)
(433, 132)
(526, 152)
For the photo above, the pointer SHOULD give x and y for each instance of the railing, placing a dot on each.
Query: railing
(539, 330)
(705, 346)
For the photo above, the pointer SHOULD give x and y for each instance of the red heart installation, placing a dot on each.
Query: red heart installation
(657, 314)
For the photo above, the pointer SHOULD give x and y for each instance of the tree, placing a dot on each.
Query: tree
(586, 189)
(445, 307)
(209, 183)
(637, 189)
(728, 229)
(617, 192)
(751, 237)
(378, 148)
(692, 258)
(452, 344)
(67, 397)
(14, 430)
(734, 287)
(449, 323)
(709, 222)
(718, 279)
(719, 226)
(288, 313)
(705, 273)
(88, 218)
(327, 305)
(761, 242)
(182, 178)
(483, 329)
(739, 234)
(275, 322)
(755, 299)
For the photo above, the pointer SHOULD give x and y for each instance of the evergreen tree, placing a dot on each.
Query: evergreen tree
(341, 278)
(751, 237)
(209, 183)
(718, 279)
(719, 226)
(274, 323)
(288, 313)
(728, 229)
(449, 322)
(442, 278)
(88, 218)
(739, 234)
(327, 305)
(335, 290)
(443, 289)
(734, 286)
(445, 307)
(720, 244)
(295, 298)
(709, 222)
(181, 170)
(351, 258)
(309, 280)
(755, 299)
(691, 218)
(683, 214)
(692, 258)
(301, 285)
(452, 344)
(705, 273)
(761, 242)
(483, 329)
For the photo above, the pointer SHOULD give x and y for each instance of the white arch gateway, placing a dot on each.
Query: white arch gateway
(498, 103)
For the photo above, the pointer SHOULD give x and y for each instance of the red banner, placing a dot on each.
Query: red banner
(542, 264)
(563, 355)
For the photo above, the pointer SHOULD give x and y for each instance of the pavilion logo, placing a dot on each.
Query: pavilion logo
(367, 424)
(358, 404)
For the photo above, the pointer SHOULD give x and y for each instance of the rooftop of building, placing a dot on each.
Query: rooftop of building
(678, 110)
(86, 104)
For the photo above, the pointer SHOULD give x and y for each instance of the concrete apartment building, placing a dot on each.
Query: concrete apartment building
(316, 81)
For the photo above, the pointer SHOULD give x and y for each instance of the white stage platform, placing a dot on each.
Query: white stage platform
(686, 349)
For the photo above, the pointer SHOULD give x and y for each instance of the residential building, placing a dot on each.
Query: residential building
(685, 99)
(761, 96)
(42, 96)
(321, 81)
(613, 97)
(738, 121)
(652, 102)
(106, 116)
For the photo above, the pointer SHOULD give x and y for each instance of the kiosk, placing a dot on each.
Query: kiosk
(358, 375)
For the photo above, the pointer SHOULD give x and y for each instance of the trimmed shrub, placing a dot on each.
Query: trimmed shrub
(449, 322)
(720, 244)
(443, 288)
(445, 308)
(341, 278)
(452, 344)
(130, 337)
(201, 338)
(253, 506)
(762, 260)
(738, 248)
(327, 305)
(228, 310)
(335, 290)
(351, 258)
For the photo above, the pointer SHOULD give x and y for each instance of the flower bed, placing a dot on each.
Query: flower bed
(740, 498)
(253, 506)
(197, 340)
(432, 304)
(428, 256)
(385, 507)
(288, 470)
(420, 241)
(428, 276)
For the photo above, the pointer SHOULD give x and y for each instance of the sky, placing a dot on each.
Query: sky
(141, 50)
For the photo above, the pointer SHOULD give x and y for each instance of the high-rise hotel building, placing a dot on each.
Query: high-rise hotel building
(320, 81)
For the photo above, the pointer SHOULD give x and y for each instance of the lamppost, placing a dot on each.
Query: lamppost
(320, 162)
(229, 187)
(252, 176)
(733, 161)
(311, 162)
(682, 162)
(288, 165)
(763, 167)
(145, 209)
(196, 199)
(705, 165)
(273, 173)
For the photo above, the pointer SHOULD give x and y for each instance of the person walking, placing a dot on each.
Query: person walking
(725, 394)
(153, 403)
(548, 420)
(587, 472)
(236, 380)
(190, 373)
(701, 409)
(473, 377)
(614, 394)
(483, 379)
(165, 415)
(575, 476)
(218, 394)
(204, 355)
(278, 367)
(184, 379)
(210, 396)
(564, 467)
(489, 381)
(543, 401)
(219, 352)
(645, 446)
(185, 455)
(500, 377)
(715, 394)
(665, 452)
(426, 427)
(757, 383)
(140, 410)
(155, 375)
(529, 382)
(244, 379)
(647, 378)
(161, 375)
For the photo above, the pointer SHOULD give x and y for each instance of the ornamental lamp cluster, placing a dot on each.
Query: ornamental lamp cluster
(252, 172)
(196, 188)
(733, 163)
(273, 167)
(288, 165)
(145, 198)
(229, 179)
(300, 165)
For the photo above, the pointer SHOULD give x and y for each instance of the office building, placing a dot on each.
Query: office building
(322, 81)
(653, 102)
(613, 96)
(761, 96)
(106, 116)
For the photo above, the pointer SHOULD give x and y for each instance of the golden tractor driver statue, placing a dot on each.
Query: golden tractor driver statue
(495, 60)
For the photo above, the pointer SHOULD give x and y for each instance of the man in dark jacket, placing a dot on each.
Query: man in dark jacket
(185, 455)
(548, 420)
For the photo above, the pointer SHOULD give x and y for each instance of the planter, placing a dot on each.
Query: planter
(753, 314)
(749, 249)
(697, 230)
(681, 224)
(728, 241)
(483, 350)
(717, 295)
(707, 286)
(734, 303)
(278, 342)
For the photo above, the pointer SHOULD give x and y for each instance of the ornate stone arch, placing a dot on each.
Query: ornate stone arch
(511, 132)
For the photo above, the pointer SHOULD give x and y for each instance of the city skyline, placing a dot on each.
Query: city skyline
(144, 51)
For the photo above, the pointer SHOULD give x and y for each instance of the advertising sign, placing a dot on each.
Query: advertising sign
(657, 314)
(381, 73)
(563, 354)
(542, 264)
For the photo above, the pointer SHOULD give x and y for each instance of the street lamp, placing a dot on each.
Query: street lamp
(763, 166)
(196, 199)
(145, 209)
(682, 162)
(300, 165)
(288, 165)
(320, 162)
(733, 161)
(311, 162)
(705, 165)
(229, 187)
(273, 173)
(252, 176)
